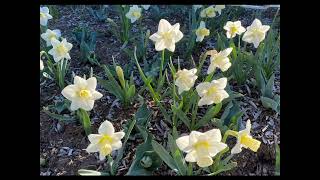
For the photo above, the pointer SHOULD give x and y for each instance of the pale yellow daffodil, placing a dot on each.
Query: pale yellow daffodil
(60, 50)
(208, 12)
(106, 141)
(134, 13)
(201, 147)
(167, 36)
(218, 8)
(185, 79)
(82, 93)
(212, 92)
(50, 34)
(234, 28)
(44, 16)
(202, 31)
(255, 33)
(244, 139)
(220, 60)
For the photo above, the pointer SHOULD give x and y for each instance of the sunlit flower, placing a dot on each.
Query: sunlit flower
(134, 13)
(212, 92)
(60, 50)
(185, 79)
(201, 147)
(255, 33)
(245, 140)
(208, 12)
(44, 16)
(106, 141)
(50, 34)
(82, 93)
(41, 65)
(202, 31)
(220, 60)
(234, 28)
(218, 8)
(167, 36)
(145, 7)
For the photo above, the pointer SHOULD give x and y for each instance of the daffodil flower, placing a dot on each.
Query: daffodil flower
(44, 16)
(201, 147)
(50, 34)
(220, 60)
(134, 13)
(218, 8)
(82, 93)
(167, 36)
(244, 139)
(106, 141)
(212, 92)
(41, 65)
(255, 33)
(185, 79)
(234, 28)
(60, 50)
(145, 7)
(202, 31)
(208, 12)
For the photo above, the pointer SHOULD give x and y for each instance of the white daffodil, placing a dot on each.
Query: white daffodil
(234, 28)
(41, 65)
(134, 13)
(245, 140)
(106, 141)
(60, 50)
(208, 12)
(196, 7)
(145, 7)
(201, 147)
(220, 60)
(212, 92)
(50, 34)
(44, 16)
(185, 79)
(218, 8)
(255, 33)
(202, 31)
(167, 36)
(82, 93)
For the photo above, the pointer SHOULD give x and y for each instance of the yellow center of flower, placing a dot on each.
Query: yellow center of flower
(203, 32)
(209, 11)
(51, 36)
(251, 143)
(136, 14)
(201, 145)
(105, 149)
(166, 36)
(233, 30)
(42, 15)
(84, 93)
(212, 90)
(61, 49)
(106, 139)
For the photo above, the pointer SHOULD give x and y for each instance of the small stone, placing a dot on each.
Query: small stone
(268, 134)
(255, 125)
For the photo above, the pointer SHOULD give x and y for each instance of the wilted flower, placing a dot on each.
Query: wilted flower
(245, 140)
(208, 12)
(134, 13)
(41, 65)
(220, 60)
(106, 141)
(218, 8)
(44, 15)
(212, 92)
(49, 35)
(255, 33)
(202, 31)
(201, 147)
(82, 93)
(167, 36)
(234, 28)
(185, 79)
(60, 50)
(145, 7)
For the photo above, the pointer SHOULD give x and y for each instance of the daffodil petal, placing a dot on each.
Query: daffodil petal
(106, 128)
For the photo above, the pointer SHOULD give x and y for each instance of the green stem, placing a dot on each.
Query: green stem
(190, 169)
(228, 133)
(161, 65)
(85, 120)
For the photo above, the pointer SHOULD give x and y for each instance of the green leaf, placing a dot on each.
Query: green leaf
(224, 168)
(181, 115)
(85, 120)
(60, 117)
(164, 155)
(277, 168)
(143, 115)
(269, 103)
(268, 90)
(211, 113)
(177, 156)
